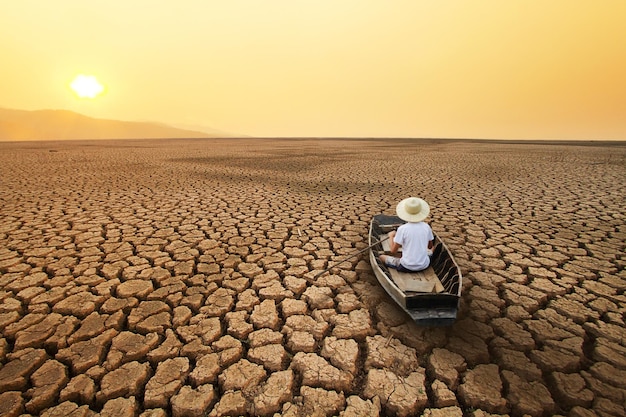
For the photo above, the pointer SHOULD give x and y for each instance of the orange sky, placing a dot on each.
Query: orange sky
(519, 69)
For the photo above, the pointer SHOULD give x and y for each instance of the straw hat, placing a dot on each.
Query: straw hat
(413, 209)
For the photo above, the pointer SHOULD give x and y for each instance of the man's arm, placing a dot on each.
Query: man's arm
(393, 246)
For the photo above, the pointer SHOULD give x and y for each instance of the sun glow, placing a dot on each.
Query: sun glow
(86, 86)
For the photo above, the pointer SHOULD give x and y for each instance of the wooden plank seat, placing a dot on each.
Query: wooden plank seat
(423, 281)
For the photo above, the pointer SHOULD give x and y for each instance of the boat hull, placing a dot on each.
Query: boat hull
(426, 309)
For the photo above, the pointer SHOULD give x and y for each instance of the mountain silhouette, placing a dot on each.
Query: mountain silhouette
(23, 125)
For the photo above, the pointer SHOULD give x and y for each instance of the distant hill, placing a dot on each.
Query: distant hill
(23, 125)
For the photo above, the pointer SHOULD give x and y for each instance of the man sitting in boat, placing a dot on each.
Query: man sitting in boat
(415, 237)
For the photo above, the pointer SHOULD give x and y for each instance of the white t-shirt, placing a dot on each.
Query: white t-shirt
(414, 238)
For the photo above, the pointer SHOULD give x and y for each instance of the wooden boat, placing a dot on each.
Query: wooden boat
(430, 297)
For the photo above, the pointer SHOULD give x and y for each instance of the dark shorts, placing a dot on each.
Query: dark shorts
(395, 263)
(401, 268)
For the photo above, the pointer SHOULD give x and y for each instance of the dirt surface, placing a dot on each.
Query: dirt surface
(175, 278)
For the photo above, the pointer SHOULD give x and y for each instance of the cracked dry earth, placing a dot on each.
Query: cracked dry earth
(175, 278)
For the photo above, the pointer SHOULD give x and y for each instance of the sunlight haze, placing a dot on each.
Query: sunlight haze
(451, 69)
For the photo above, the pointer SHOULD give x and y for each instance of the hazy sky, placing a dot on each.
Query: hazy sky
(536, 69)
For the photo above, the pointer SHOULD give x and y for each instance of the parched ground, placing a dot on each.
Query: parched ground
(176, 278)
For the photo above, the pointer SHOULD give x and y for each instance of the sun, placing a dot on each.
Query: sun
(86, 86)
